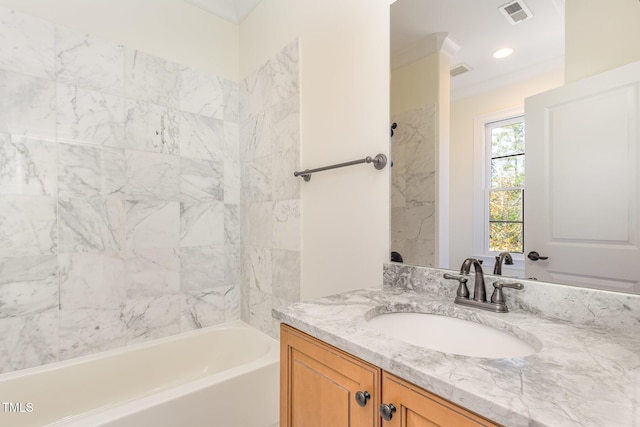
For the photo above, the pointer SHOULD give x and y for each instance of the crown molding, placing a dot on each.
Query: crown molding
(436, 42)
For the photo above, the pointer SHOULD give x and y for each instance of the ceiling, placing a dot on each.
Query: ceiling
(233, 11)
(469, 30)
(478, 29)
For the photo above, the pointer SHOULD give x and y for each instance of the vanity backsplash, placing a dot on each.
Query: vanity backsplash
(582, 306)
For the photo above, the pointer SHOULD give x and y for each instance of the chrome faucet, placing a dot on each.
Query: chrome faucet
(503, 257)
(497, 303)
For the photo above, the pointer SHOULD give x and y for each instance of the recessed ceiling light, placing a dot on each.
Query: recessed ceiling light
(502, 53)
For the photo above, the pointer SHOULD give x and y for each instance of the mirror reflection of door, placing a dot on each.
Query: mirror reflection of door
(583, 182)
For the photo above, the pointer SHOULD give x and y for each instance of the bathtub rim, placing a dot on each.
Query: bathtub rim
(6, 376)
(112, 412)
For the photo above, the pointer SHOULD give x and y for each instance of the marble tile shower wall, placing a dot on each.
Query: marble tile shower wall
(413, 186)
(270, 152)
(119, 195)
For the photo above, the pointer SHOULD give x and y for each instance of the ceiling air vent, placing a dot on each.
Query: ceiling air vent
(459, 69)
(515, 12)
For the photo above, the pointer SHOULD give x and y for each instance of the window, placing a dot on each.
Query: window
(504, 180)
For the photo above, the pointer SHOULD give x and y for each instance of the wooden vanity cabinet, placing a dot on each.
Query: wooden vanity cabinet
(416, 407)
(319, 383)
(319, 386)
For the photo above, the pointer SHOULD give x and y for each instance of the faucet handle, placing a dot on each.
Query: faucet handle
(498, 296)
(462, 291)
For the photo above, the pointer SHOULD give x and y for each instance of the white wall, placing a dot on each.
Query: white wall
(600, 35)
(463, 113)
(171, 29)
(344, 113)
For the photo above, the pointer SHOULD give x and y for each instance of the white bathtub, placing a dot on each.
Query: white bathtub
(223, 376)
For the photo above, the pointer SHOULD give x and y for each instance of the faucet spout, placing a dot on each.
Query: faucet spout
(479, 290)
(497, 303)
(502, 257)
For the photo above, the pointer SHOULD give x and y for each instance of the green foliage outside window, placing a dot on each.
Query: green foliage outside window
(506, 197)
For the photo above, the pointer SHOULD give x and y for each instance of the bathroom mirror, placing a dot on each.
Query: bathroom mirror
(413, 200)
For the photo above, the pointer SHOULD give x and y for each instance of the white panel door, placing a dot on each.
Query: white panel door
(582, 190)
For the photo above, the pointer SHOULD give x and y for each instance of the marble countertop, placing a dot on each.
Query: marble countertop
(584, 375)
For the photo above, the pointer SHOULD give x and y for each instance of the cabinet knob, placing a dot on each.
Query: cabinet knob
(387, 411)
(362, 397)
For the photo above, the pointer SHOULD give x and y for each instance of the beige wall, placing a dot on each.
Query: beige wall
(344, 110)
(171, 29)
(415, 85)
(463, 114)
(600, 35)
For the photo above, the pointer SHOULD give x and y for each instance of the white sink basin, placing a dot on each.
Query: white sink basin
(451, 335)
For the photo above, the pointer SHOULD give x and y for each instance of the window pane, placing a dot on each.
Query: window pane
(507, 140)
(505, 237)
(505, 205)
(507, 172)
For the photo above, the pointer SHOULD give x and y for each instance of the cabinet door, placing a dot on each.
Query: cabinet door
(319, 383)
(415, 407)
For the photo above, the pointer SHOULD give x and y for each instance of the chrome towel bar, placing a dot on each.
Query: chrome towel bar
(379, 162)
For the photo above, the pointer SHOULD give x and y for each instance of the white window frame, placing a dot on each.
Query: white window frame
(481, 183)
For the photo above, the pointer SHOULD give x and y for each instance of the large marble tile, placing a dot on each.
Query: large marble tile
(285, 186)
(257, 178)
(202, 267)
(84, 331)
(273, 82)
(420, 189)
(27, 226)
(150, 78)
(90, 117)
(91, 225)
(231, 101)
(89, 62)
(200, 93)
(92, 281)
(27, 44)
(398, 172)
(147, 318)
(286, 274)
(232, 303)
(261, 305)
(285, 73)
(28, 285)
(260, 266)
(232, 168)
(153, 224)
(201, 180)
(201, 224)
(152, 176)
(203, 308)
(256, 136)
(153, 271)
(232, 232)
(257, 224)
(90, 171)
(27, 166)
(286, 225)
(152, 127)
(28, 341)
(232, 264)
(255, 91)
(27, 105)
(285, 124)
(201, 137)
